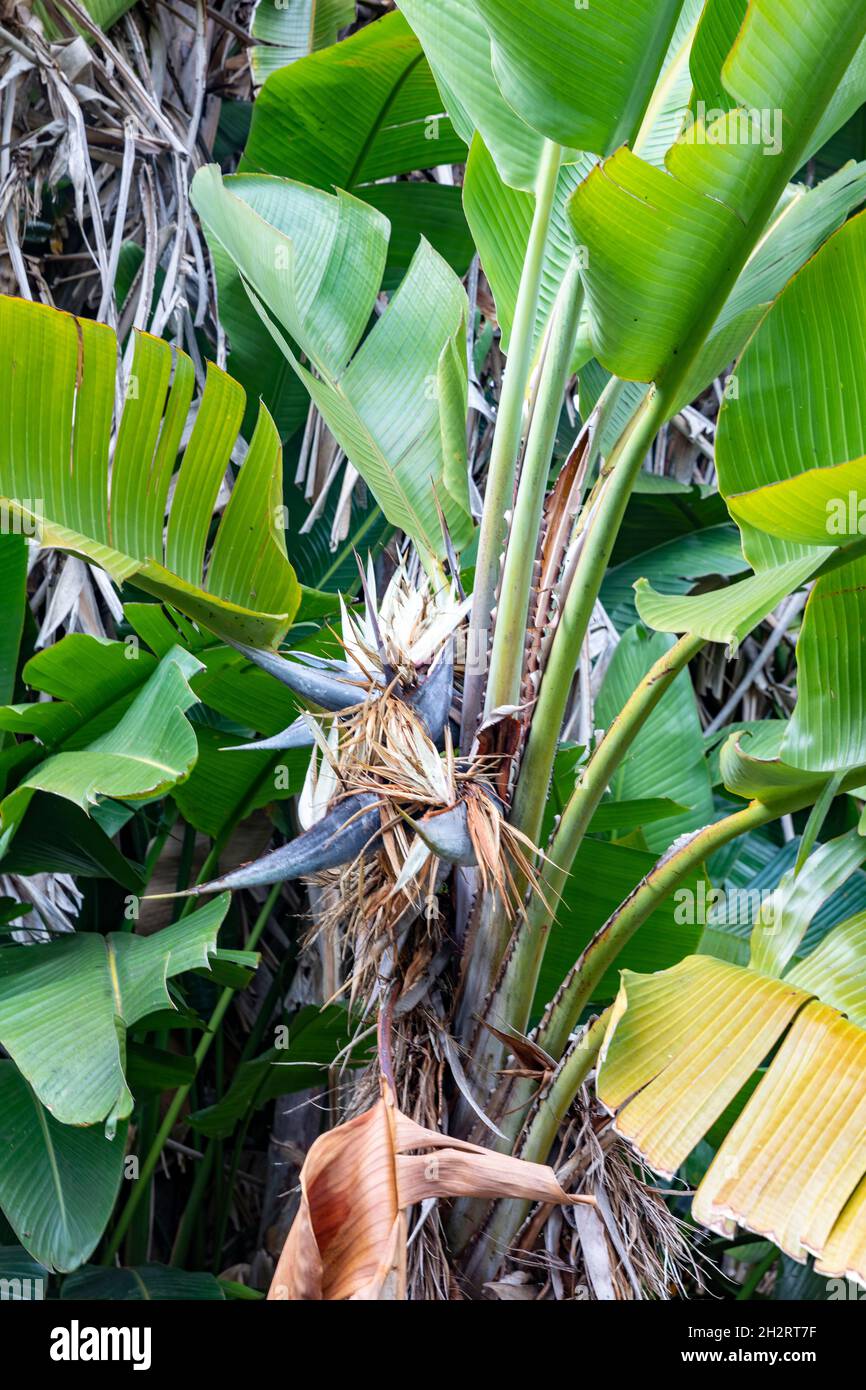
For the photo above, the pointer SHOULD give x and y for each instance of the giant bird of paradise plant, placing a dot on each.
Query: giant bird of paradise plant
(616, 237)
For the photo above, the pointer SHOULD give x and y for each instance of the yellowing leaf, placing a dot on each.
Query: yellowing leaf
(680, 1046)
(798, 1149)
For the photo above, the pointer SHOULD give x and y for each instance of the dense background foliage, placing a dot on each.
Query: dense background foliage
(145, 1147)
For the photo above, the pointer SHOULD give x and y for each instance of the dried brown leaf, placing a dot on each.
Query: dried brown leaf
(348, 1240)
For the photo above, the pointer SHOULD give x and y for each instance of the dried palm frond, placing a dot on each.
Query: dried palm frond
(49, 903)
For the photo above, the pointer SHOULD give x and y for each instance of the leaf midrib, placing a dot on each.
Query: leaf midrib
(52, 1159)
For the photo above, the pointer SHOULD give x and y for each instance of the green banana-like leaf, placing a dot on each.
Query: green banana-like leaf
(456, 42)
(313, 263)
(15, 1263)
(58, 1183)
(317, 259)
(107, 12)
(419, 208)
(380, 74)
(670, 99)
(150, 1282)
(803, 219)
(675, 566)
(847, 99)
(748, 441)
(834, 970)
(725, 615)
(13, 584)
(398, 125)
(397, 118)
(91, 682)
(750, 869)
(580, 74)
(651, 246)
(667, 757)
(717, 31)
(792, 442)
(56, 837)
(783, 922)
(619, 58)
(826, 730)
(147, 752)
(658, 246)
(753, 765)
(65, 1006)
(288, 31)
(624, 816)
(501, 217)
(719, 26)
(264, 375)
(792, 466)
(54, 471)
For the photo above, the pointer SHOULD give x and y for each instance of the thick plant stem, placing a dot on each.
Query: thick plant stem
(552, 1106)
(580, 984)
(511, 1004)
(532, 786)
(509, 638)
(174, 1109)
(506, 441)
(514, 1002)
(616, 486)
